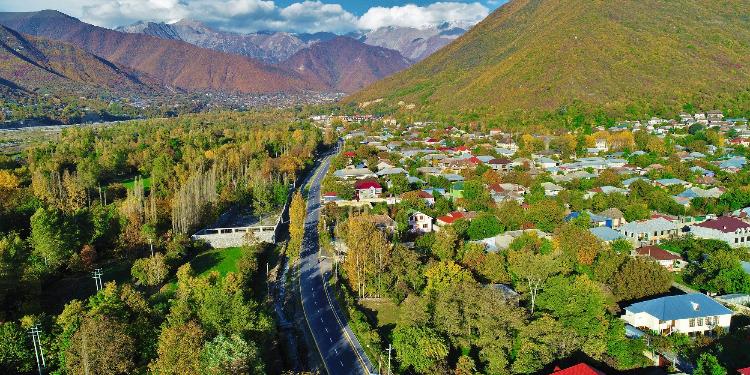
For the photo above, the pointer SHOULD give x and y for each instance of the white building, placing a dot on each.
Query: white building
(420, 222)
(649, 232)
(689, 314)
(729, 229)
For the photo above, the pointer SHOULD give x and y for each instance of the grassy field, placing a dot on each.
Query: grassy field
(129, 183)
(383, 312)
(223, 261)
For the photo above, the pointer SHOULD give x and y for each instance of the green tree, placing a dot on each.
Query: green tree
(708, 364)
(533, 271)
(580, 304)
(231, 356)
(52, 238)
(399, 184)
(15, 356)
(541, 342)
(484, 226)
(150, 271)
(446, 243)
(419, 348)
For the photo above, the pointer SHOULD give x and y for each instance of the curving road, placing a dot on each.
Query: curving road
(337, 345)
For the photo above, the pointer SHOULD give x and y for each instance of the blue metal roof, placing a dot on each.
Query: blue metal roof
(606, 234)
(684, 306)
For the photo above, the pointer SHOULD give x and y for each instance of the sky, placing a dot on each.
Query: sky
(339, 16)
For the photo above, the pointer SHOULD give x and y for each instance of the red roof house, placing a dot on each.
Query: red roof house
(579, 369)
(744, 371)
(368, 189)
(350, 154)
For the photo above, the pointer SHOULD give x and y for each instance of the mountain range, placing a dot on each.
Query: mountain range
(326, 63)
(615, 55)
(30, 66)
(274, 47)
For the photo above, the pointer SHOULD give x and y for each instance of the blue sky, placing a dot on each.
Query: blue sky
(338, 16)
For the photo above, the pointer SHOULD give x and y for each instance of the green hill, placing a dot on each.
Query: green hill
(616, 56)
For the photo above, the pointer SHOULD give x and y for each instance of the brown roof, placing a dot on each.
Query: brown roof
(726, 224)
(657, 253)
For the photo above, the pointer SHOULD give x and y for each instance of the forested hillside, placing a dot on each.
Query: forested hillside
(95, 198)
(534, 57)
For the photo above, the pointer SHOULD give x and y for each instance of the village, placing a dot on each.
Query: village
(669, 192)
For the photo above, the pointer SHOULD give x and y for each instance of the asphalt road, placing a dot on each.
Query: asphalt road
(337, 345)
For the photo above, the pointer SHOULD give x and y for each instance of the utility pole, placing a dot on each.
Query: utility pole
(151, 244)
(97, 276)
(389, 358)
(36, 340)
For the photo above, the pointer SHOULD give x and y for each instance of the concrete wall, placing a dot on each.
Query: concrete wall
(220, 238)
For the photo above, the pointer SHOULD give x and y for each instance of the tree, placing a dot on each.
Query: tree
(150, 271)
(231, 356)
(297, 213)
(15, 356)
(399, 184)
(52, 239)
(12, 263)
(418, 348)
(638, 278)
(533, 271)
(546, 215)
(100, 346)
(708, 364)
(178, 351)
(368, 256)
(580, 304)
(541, 342)
(445, 274)
(578, 244)
(484, 226)
(405, 273)
(88, 257)
(446, 243)
(511, 215)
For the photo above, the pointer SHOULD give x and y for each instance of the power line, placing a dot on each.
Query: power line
(38, 352)
(97, 276)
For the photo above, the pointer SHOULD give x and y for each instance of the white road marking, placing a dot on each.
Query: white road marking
(326, 329)
(330, 339)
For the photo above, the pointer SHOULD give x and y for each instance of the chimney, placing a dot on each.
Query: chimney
(696, 306)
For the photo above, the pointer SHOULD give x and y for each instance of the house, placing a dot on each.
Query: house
(367, 189)
(354, 173)
(649, 232)
(392, 171)
(729, 229)
(740, 142)
(330, 197)
(500, 164)
(579, 369)
(670, 261)
(615, 217)
(420, 222)
(452, 217)
(667, 182)
(551, 190)
(744, 371)
(689, 314)
(383, 222)
(606, 190)
(424, 195)
(606, 234)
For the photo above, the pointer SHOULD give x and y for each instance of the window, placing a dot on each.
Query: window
(692, 323)
(735, 240)
(700, 322)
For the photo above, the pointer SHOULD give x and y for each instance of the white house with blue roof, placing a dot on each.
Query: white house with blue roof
(690, 314)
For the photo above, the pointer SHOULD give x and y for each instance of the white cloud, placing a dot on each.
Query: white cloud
(254, 15)
(411, 15)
